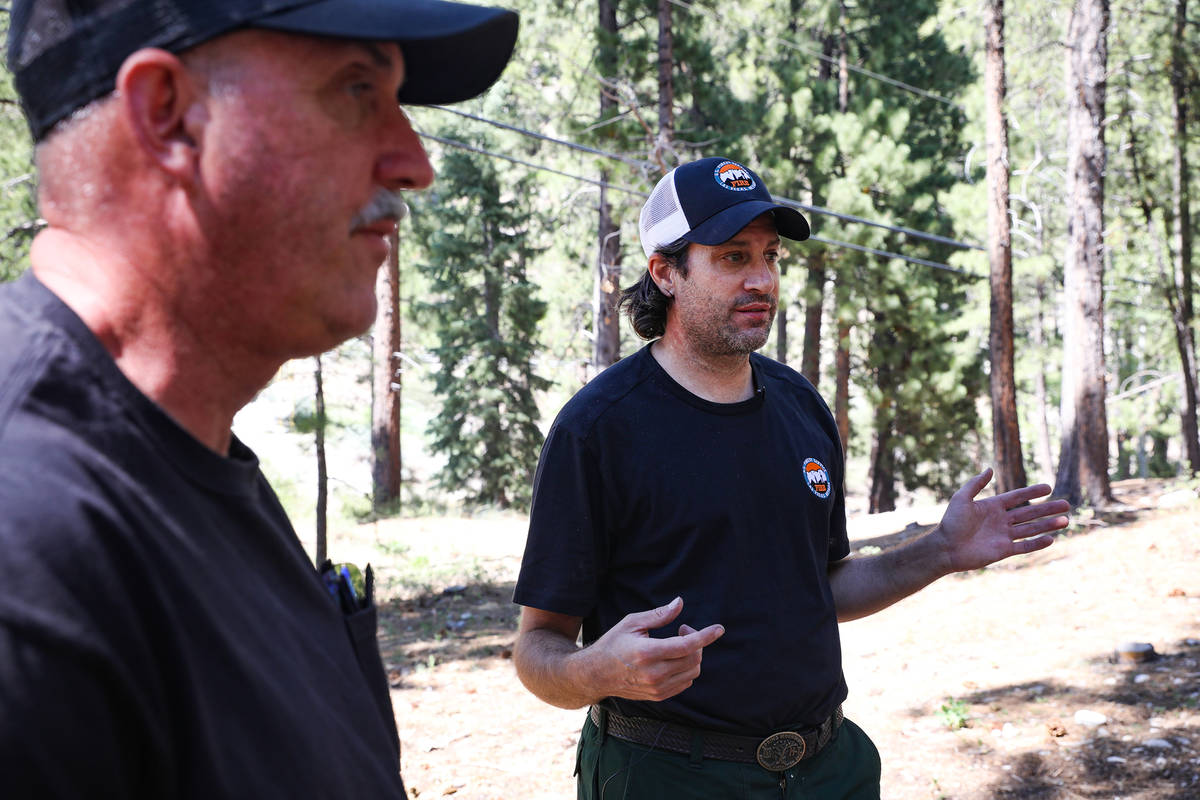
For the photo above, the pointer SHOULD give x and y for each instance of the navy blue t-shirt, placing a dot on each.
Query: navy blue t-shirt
(645, 491)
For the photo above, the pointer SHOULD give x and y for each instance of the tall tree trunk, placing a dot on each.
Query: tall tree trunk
(606, 349)
(781, 319)
(883, 461)
(1181, 175)
(322, 472)
(841, 396)
(386, 384)
(1006, 433)
(1040, 395)
(664, 147)
(814, 295)
(1083, 458)
(606, 346)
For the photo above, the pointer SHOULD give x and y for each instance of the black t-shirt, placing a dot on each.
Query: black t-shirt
(645, 491)
(162, 632)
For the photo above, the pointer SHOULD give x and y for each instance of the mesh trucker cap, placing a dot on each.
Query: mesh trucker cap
(65, 53)
(707, 202)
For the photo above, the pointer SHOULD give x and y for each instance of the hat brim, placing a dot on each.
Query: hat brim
(722, 227)
(452, 51)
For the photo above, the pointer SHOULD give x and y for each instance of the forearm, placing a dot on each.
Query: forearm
(864, 585)
(555, 669)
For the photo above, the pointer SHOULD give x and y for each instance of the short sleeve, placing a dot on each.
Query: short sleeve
(564, 553)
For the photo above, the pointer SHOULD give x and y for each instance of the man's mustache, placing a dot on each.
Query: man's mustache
(384, 204)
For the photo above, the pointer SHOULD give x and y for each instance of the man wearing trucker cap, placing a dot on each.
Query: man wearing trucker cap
(219, 179)
(699, 485)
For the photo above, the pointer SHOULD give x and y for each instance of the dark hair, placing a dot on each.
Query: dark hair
(645, 303)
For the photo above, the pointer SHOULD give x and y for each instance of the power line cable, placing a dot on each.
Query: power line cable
(644, 195)
(633, 162)
(650, 167)
(791, 43)
(472, 148)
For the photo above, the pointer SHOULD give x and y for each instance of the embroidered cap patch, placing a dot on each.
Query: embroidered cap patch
(733, 176)
(817, 478)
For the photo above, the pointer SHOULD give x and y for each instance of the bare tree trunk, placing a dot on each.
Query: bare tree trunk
(1083, 458)
(1006, 433)
(814, 295)
(386, 384)
(664, 148)
(322, 472)
(841, 392)
(781, 320)
(606, 346)
(1181, 175)
(883, 462)
(1040, 395)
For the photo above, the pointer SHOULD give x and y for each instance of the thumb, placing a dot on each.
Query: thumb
(975, 485)
(685, 629)
(655, 617)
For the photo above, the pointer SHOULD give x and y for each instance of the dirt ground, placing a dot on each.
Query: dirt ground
(998, 684)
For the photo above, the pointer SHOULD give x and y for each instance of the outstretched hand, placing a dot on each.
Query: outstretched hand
(636, 666)
(976, 533)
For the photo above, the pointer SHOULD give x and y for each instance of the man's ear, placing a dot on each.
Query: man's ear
(662, 273)
(159, 100)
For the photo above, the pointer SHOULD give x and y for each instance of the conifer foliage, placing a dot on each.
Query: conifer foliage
(479, 228)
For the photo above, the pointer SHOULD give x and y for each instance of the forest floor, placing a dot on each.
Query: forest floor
(985, 686)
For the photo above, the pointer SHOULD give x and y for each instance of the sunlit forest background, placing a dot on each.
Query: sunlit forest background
(876, 117)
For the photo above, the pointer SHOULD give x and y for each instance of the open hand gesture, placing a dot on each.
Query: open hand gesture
(976, 533)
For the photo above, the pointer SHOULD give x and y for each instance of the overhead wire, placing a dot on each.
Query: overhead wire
(650, 167)
(643, 195)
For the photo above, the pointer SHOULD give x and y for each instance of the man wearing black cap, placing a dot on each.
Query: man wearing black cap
(219, 179)
(704, 482)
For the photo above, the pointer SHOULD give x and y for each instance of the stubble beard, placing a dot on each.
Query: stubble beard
(724, 338)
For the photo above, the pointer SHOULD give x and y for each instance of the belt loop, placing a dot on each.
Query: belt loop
(697, 754)
(602, 713)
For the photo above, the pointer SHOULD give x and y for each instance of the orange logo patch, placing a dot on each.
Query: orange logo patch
(732, 175)
(817, 478)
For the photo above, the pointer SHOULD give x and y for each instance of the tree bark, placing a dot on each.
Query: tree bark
(386, 384)
(781, 320)
(1181, 191)
(606, 344)
(1083, 458)
(1006, 434)
(814, 294)
(322, 471)
(883, 462)
(664, 147)
(1040, 395)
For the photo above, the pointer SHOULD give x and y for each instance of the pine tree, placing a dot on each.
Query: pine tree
(479, 230)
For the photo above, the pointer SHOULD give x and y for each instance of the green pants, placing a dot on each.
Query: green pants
(613, 769)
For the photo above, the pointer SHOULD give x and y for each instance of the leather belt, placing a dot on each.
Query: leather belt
(776, 752)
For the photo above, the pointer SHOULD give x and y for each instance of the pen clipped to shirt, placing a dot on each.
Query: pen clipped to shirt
(351, 589)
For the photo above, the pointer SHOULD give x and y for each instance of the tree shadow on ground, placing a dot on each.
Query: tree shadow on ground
(1148, 748)
(467, 622)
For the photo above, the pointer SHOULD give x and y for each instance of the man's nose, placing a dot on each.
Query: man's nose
(761, 276)
(404, 163)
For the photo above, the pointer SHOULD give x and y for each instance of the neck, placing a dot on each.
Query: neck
(716, 378)
(132, 304)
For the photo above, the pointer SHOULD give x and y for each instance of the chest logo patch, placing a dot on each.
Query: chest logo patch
(817, 478)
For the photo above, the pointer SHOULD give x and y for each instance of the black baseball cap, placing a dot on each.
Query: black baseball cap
(65, 53)
(707, 202)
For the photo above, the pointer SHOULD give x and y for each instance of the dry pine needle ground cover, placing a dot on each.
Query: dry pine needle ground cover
(985, 686)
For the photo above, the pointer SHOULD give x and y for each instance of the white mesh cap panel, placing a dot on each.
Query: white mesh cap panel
(662, 221)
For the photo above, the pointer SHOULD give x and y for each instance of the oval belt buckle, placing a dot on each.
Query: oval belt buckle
(781, 751)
